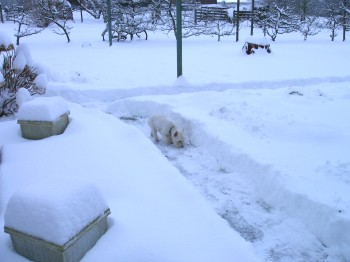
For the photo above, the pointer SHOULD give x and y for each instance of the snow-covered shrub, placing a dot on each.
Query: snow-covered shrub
(22, 96)
(275, 20)
(16, 72)
(130, 18)
(310, 26)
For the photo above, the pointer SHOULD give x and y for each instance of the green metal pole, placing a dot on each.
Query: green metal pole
(237, 21)
(252, 20)
(179, 37)
(1, 17)
(109, 11)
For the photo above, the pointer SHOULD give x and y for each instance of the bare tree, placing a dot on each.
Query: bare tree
(311, 25)
(166, 15)
(92, 7)
(26, 26)
(165, 11)
(263, 16)
(212, 27)
(304, 8)
(277, 19)
(221, 28)
(345, 6)
(334, 19)
(26, 21)
(130, 18)
(54, 12)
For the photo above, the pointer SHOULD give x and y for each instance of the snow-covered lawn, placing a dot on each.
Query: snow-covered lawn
(265, 170)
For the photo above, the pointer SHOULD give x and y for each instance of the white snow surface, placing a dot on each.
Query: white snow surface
(22, 96)
(265, 171)
(5, 40)
(258, 40)
(24, 49)
(43, 109)
(54, 209)
(19, 61)
(41, 81)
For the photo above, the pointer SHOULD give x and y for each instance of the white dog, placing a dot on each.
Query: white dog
(167, 129)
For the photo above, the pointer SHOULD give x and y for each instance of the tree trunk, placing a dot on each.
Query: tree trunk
(64, 30)
(18, 32)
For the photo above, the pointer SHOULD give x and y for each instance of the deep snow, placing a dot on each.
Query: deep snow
(42, 109)
(54, 209)
(266, 145)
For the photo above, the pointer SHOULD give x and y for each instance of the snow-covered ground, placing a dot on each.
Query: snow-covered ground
(267, 145)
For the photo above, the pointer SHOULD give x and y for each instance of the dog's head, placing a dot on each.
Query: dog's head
(177, 138)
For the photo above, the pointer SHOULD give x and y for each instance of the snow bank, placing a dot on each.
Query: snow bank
(43, 109)
(54, 209)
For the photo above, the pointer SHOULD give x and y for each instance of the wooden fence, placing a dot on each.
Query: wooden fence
(243, 15)
(213, 14)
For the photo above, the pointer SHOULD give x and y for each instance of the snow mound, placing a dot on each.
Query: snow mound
(24, 49)
(5, 42)
(19, 61)
(54, 210)
(43, 109)
(22, 96)
(41, 81)
(257, 40)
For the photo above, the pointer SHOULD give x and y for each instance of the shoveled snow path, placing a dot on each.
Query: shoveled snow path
(275, 235)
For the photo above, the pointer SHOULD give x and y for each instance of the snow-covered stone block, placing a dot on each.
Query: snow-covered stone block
(56, 220)
(253, 43)
(43, 117)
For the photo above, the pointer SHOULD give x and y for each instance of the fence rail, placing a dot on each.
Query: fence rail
(243, 15)
(211, 14)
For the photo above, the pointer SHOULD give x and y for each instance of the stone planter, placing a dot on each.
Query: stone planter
(56, 219)
(39, 250)
(43, 117)
(41, 129)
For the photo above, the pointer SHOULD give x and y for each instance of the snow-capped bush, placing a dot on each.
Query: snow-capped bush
(5, 42)
(17, 72)
(25, 50)
(41, 82)
(22, 96)
(19, 61)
